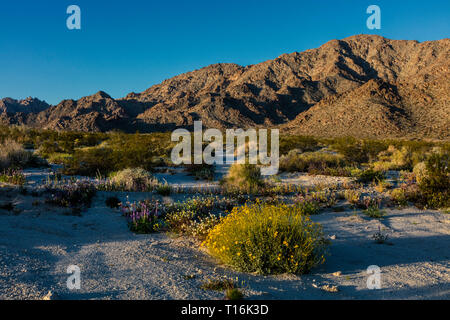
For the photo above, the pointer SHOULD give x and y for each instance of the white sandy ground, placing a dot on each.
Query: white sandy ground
(38, 242)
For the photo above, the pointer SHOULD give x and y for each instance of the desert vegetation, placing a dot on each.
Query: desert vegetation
(245, 221)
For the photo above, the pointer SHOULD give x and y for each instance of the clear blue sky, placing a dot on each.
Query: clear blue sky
(126, 46)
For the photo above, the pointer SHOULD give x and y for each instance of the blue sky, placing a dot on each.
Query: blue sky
(126, 46)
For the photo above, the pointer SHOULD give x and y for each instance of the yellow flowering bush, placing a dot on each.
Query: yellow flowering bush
(268, 239)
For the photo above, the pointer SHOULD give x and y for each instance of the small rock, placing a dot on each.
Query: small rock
(337, 273)
(329, 288)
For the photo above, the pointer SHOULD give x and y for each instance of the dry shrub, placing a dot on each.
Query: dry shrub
(134, 179)
(245, 177)
(12, 154)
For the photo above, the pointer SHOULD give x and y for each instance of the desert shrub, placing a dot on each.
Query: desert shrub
(201, 171)
(118, 151)
(435, 186)
(368, 202)
(72, 194)
(203, 205)
(398, 195)
(382, 185)
(195, 216)
(89, 162)
(218, 284)
(370, 175)
(306, 205)
(380, 237)
(112, 202)
(420, 171)
(394, 159)
(358, 151)
(245, 177)
(12, 154)
(180, 221)
(268, 239)
(299, 144)
(12, 176)
(352, 196)
(59, 158)
(143, 216)
(164, 189)
(234, 294)
(48, 148)
(314, 161)
(374, 212)
(201, 228)
(329, 171)
(134, 179)
(191, 223)
(311, 202)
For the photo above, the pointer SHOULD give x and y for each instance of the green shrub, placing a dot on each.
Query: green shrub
(399, 196)
(218, 284)
(358, 151)
(59, 158)
(268, 239)
(370, 175)
(352, 196)
(234, 294)
(164, 189)
(298, 144)
(374, 212)
(13, 176)
(394, 159)
(435, 186)
(420, 171)
(311, 161)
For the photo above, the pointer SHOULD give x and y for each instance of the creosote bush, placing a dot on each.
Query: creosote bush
(268, 239)
(435, 185)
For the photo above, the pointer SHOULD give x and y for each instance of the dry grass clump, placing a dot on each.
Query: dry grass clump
(12, 154)
(268, 239)
(134, 179)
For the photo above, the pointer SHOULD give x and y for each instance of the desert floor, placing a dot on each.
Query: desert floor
(38, 242)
